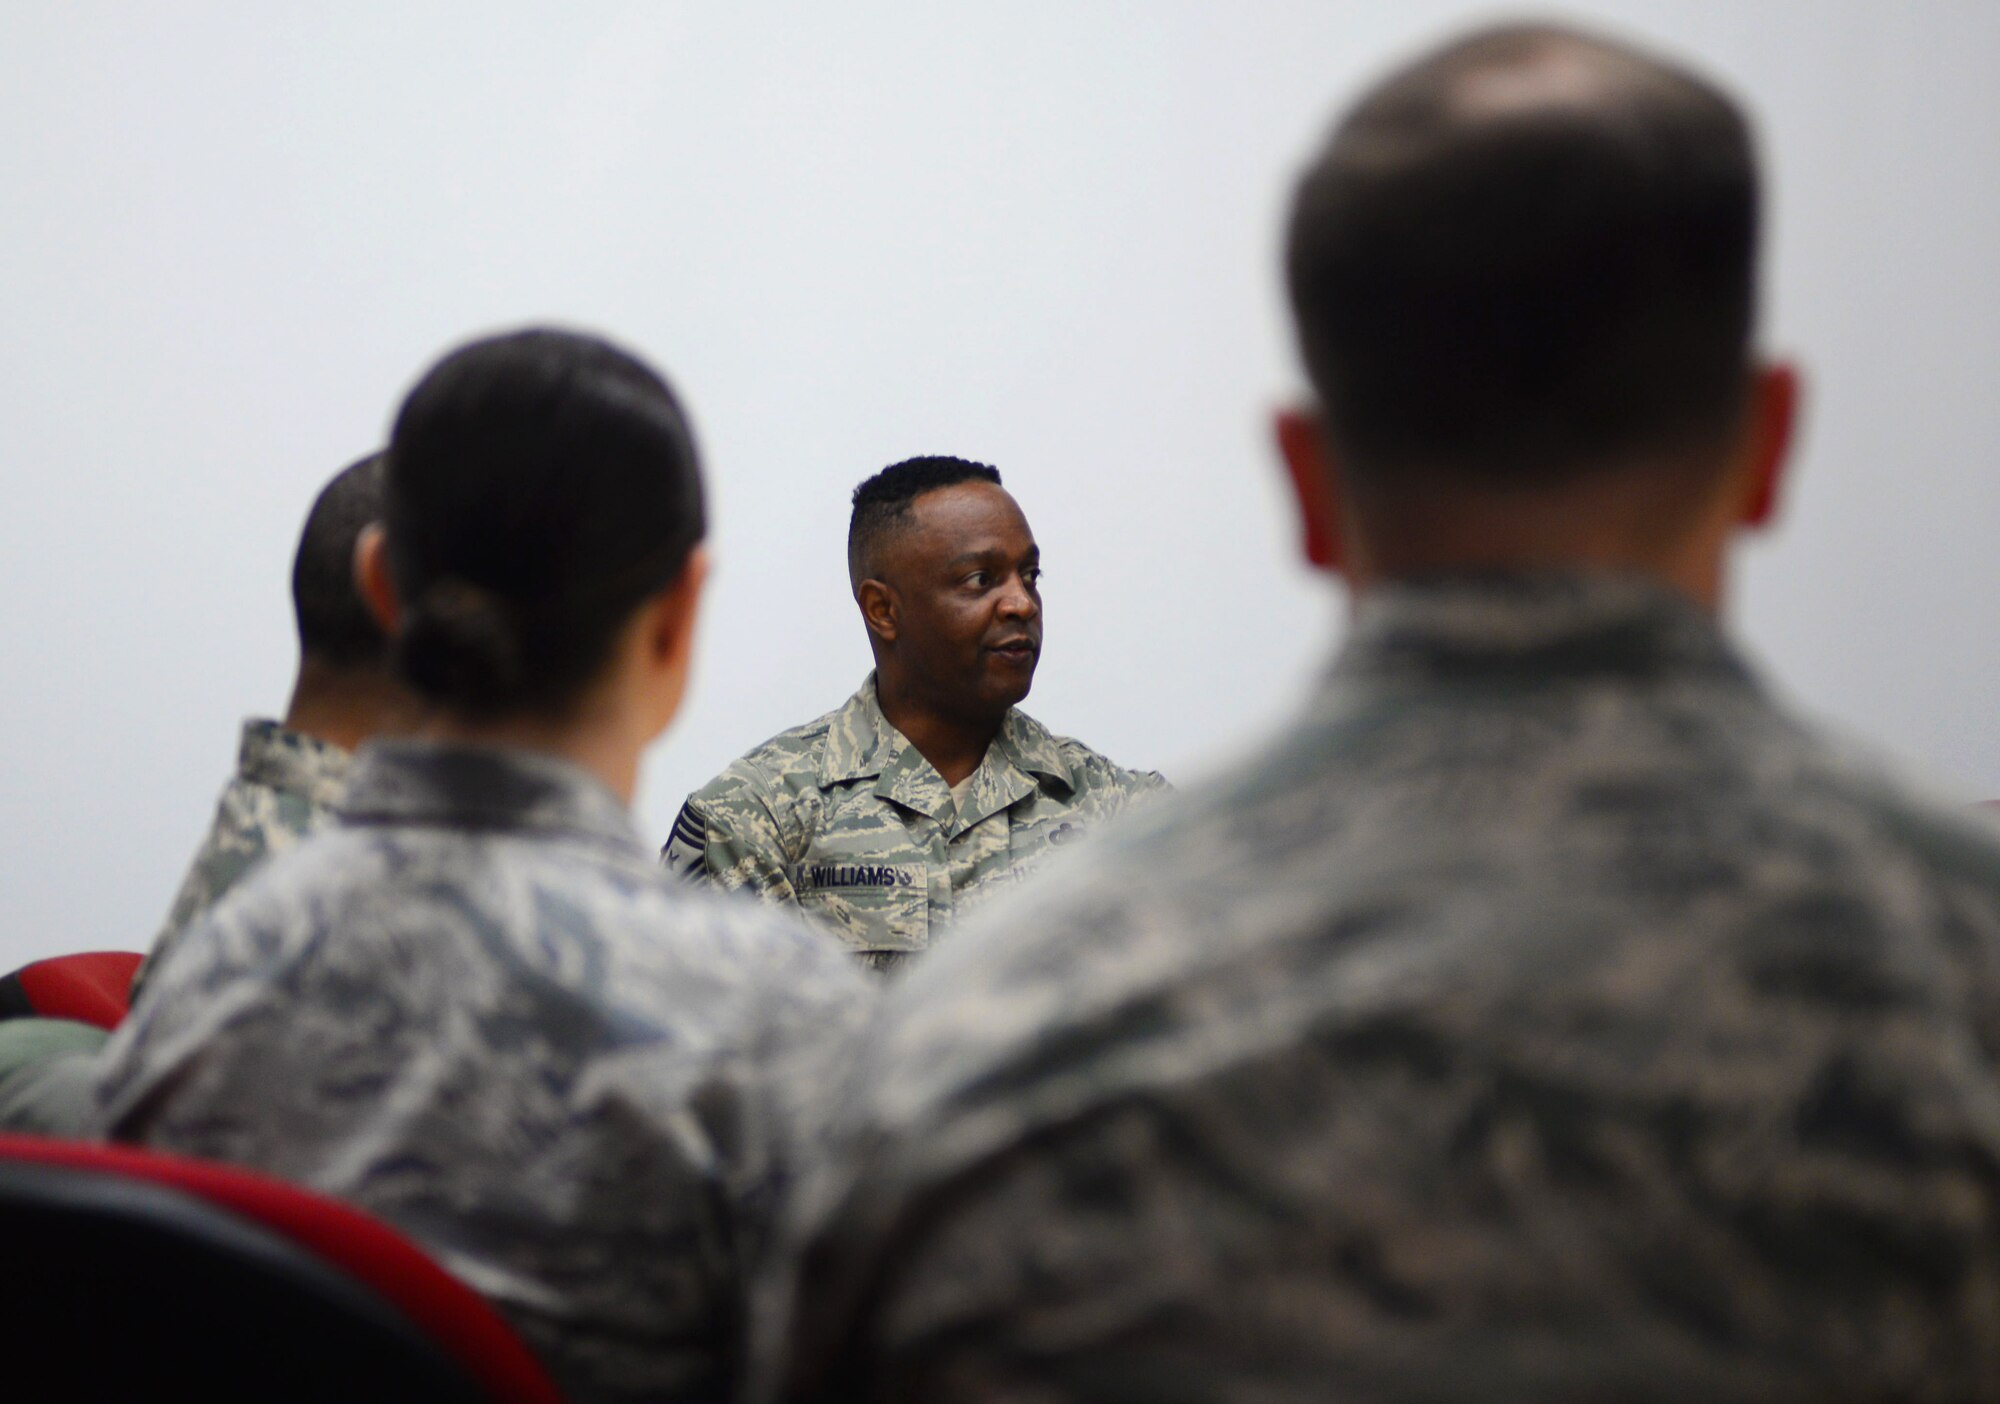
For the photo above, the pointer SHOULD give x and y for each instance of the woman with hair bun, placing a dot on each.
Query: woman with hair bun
(478, 1008)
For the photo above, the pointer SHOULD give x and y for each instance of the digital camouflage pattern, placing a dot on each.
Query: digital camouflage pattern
(286, 786)
(1546, 1017)
(846, 820)
(479, 1010)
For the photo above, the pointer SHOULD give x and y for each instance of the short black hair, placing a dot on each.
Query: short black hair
(541, 485)
(885, 498)
(1530, 252)
(335, 627)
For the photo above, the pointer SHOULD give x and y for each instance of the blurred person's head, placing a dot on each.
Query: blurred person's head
(344, 693)
(1523, 273)
(541, 559)
(947, 576)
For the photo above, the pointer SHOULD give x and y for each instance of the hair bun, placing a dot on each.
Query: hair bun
(458, 644)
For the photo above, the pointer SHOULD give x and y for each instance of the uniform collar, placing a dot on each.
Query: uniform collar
(483, 787)
(1541, 627)
(275, 757)
(860, 744)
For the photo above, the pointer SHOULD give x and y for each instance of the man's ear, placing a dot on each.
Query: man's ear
(878, 608)
(671, 627)
(1302, 445)
(1773, 416)
(371, 578)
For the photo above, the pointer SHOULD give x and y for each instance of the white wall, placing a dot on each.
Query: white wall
(1042, 234)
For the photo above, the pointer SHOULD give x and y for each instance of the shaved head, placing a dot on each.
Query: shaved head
(883, 504)
(335, 627)
(1527, 255)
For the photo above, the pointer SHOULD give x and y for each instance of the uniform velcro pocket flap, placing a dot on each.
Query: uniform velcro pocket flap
(874, 906)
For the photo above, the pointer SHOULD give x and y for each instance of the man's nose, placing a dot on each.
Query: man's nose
(1018, 601)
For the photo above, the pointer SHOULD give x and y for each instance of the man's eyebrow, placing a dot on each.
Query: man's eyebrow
(990, 553)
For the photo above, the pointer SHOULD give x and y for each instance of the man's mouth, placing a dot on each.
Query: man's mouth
(1021, 650)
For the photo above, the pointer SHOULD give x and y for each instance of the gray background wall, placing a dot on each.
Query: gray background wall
(1039, 233)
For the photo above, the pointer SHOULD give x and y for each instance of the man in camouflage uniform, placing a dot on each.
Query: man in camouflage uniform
(289, 775)
(930, 790)
(1546, 1015)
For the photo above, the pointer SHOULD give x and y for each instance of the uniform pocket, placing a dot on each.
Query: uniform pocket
(872, 906)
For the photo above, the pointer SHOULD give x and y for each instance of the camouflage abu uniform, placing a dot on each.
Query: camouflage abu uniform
(844, 818)
(1545, 1017)
(477, 1009)
(286, 785)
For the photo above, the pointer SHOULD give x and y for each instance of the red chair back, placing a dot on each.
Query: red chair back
(363, 1251)
(94, 987)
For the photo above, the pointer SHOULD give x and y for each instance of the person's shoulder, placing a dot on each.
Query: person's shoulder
(308, 880)
(255, 933)
(1886, 811)
(728, 941)
(1091, 771)
(255, 817)
(787, 760)
(767, 797)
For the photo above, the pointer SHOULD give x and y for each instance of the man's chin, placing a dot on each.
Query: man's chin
(1010, 692)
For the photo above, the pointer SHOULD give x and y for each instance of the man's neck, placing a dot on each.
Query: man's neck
(1701, 582)
(953, 745)
(1591, 531)
(347, 708)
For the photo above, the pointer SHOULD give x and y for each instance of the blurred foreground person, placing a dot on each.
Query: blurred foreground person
(929, 790)
(476, 1007)
(289, 775)
(1546, 1016)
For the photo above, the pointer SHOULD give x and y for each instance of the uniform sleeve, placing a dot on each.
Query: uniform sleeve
(251, 824)
(1120, 788)
(1111, 786)
(729, 835)
(234, 845)
(1143, 784)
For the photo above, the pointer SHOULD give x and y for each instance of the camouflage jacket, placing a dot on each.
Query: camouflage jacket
(844, 818)
(1545, 1017)
(286, 785)
(477, 1009)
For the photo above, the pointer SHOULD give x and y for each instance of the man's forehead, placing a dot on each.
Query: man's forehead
(965, 517)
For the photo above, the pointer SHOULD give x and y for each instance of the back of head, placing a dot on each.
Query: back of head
(884, 499)
(336, 629)
(541, 485)
(1529, 254)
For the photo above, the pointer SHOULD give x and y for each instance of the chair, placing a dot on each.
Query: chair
(132, 1275)
(92, 988)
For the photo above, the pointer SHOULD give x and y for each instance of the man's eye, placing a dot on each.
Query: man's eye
(1033, 575)
(978, 579)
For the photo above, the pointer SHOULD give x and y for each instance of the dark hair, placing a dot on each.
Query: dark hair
(335, 627)
(885, 498)
(541, 485)
(1529, 253)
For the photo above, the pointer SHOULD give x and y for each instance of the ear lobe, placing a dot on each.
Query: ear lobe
(1302, 446)
(1774, 407)
(371, 578)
